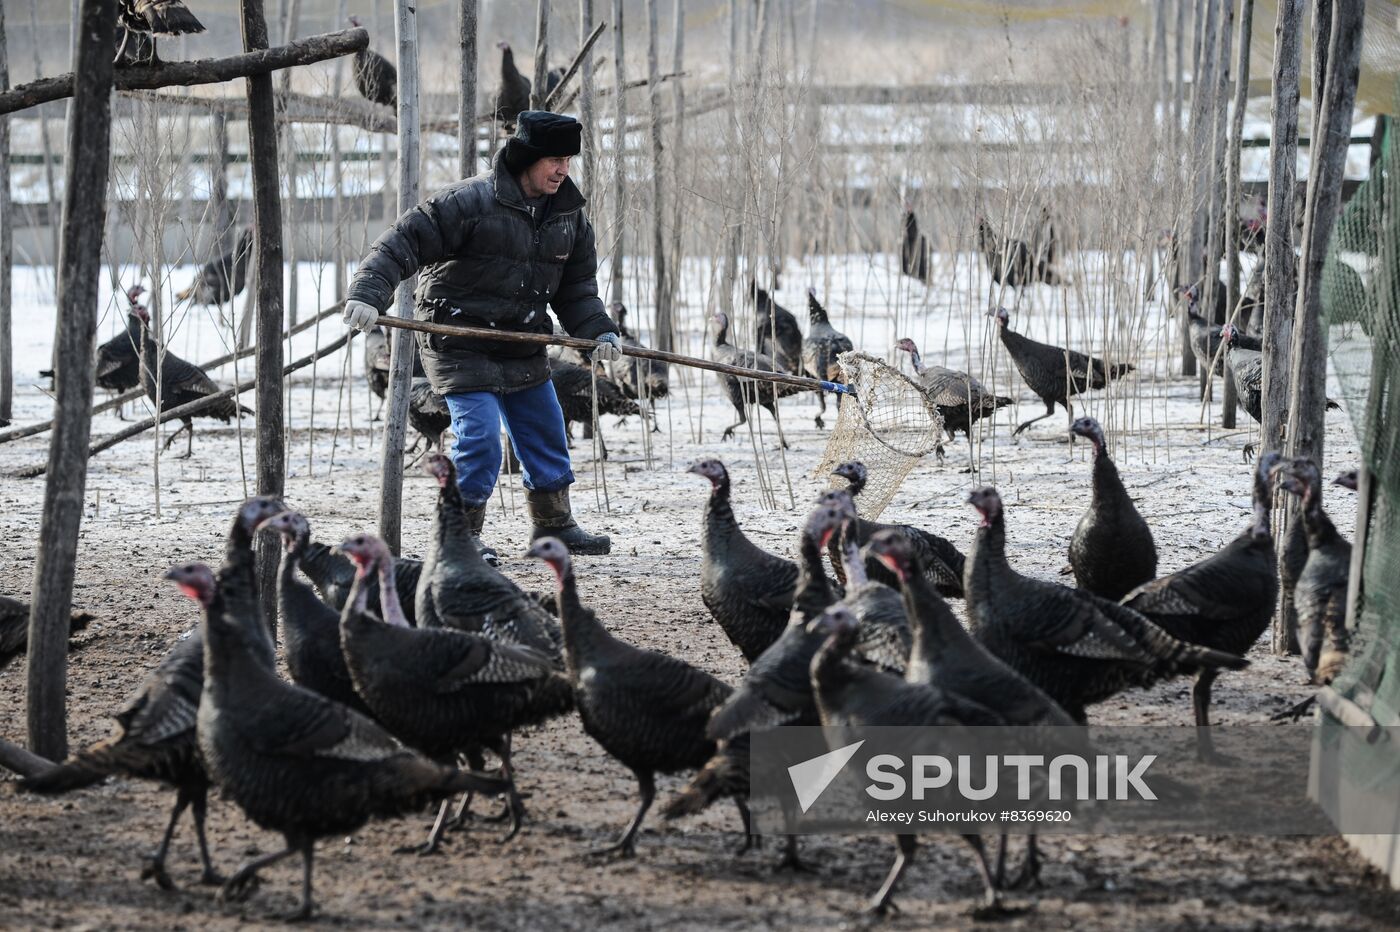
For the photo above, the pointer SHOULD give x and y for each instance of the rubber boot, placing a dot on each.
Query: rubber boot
(476, 520)
(552, 517)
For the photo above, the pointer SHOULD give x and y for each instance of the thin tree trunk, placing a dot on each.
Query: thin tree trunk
(677, 145)
(537, 89)
(1279, 265)
(79, 264)
(1219, 214)
(664, 330)
(338, 219)
(1179, 59)
(291, 20)
(7, 236)
(466, 95)
(619, 147)
(1203, 92)
(267, 213)
(1232, 197)
(401, 366)
(586, 116)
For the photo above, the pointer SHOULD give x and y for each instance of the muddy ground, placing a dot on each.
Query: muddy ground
(74, 862)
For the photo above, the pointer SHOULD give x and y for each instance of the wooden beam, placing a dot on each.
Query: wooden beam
(267, 219)
(254, 61)
(1216, 208)
(401, 343)
(466, 89)
(191, 408)
(617, 232)
(84, 219)
(586, 116)
(7, 235)
(1230, 404)
(663, 332)
(1202, 94)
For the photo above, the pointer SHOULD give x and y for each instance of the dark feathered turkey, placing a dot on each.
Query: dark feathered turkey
(1205, 340)
(1078, 648)
(158, 17)
(378, 361)
(295, 762)
(153, 737)
(1246, 357)
(1320, 595)
(444, 691)
(1052, 372)
(639, 378)
(647, 710)
(574, 386)
(960, 398)
(333, 575)
(742, 392)
(850, 694)
(747, 590)
(514, 94)
(458, 589)
(117, 366)
(181, 383)
(1112, 551)
(1008, 260)
(14, 628)
(223, 278)
(776, 332)
(942, 562)
(821, 348)
(428, 412)
(914, 249)
(376, 78)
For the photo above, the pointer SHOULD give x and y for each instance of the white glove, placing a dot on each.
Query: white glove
(609, 348)
(360, 316)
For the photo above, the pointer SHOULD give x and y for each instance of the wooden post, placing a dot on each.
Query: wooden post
(619, 147)
(589, 155)
(401, 354)
(338, 176)
(267, 214)
(1232, 197)
(677, 145)
(1327, 166)
(664, 331)
(466, 97)
(1219, 213)
(291, 19)
(1321, 45)
(1202, 91)
(537, 88)
(7, 235)
(1179, 60)
(84, 218)
(1279, 265)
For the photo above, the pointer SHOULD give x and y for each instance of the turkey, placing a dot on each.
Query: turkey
(639, 378)
(220, 280)
(1205, 340)
(747, 590)
(776, 690)
(377, 364)
(914, 249)
(1051, 372)
(375, 77)
(428, 413)
(1246, 357)
(574, 387)
(310, 627)
(180, 384)
(514, 95)
(457, 589)
(154, 733)
(821, 349)
(646, 709)
(1224, 602)
(776, 332)
(442, 691)
(1078, 648)
(960, 398)
(1112, 551)
(742, 392)
(942, 562)
(851, 695)
(333, 574)
(885, 637)
(142, 20)
(1009, 261)
(1047, 250)
(296, 762)
(1321, 592)
(117, 366)
(14, 627)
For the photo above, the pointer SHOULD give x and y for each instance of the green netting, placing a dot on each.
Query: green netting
(1361, 305)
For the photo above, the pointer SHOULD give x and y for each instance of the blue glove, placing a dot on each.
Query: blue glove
(609, 348)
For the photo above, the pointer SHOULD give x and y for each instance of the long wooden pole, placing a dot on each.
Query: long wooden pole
(675, 359)
(1202, 93)
(84, 219)
(537, 87)
(7, 236)
(267, 213)
(1232, 197)
(664, 335)
(260, 61)
(586, 116)
(619, 148)
(1218, 212)
(466, 89)
(401, 353)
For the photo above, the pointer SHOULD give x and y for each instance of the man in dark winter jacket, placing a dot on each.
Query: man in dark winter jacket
(492, 251)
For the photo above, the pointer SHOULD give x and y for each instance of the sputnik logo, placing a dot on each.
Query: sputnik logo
(811, 777)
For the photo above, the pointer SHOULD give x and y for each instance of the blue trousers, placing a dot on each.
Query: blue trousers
(535, 425)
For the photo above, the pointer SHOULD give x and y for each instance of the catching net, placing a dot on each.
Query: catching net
(889, 425)
(1361, 304)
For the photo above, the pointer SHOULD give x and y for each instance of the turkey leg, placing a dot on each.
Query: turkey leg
(627, 845)
(880, 903)
(155, 868)
(1049, 412)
